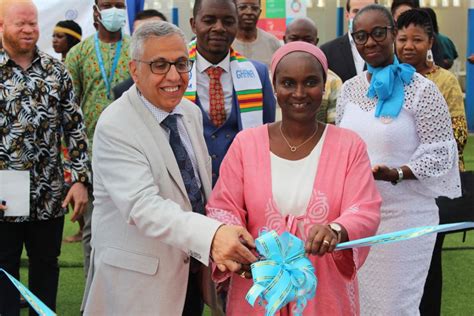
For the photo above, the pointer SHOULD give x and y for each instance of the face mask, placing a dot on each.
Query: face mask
(349, 25)
(112, 19)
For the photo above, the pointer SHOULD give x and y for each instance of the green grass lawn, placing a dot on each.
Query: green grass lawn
(458, 270)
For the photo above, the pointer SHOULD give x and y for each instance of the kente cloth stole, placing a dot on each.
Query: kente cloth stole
(247, 86)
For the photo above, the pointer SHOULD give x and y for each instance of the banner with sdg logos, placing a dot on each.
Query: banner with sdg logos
(277, 14)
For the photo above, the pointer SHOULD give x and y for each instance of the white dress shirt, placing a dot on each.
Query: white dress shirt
(202, 80)
(160, 116)
(358, 61)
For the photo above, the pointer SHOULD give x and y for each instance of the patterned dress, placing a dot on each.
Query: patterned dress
(89, 86)
(452, 93)
(37, 109)
(392, 279)
(332, 89)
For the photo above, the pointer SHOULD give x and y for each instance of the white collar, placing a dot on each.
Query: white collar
(351, 40)
(158, 113)
(202, 64)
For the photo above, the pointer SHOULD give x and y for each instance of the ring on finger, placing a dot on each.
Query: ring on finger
(325, 242)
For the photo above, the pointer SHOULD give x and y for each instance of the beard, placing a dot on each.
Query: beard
(17, 45)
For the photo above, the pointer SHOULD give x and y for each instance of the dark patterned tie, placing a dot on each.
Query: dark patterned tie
(184, 164)
(216, 96)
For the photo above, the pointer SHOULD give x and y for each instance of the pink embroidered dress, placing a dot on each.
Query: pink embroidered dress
(343, 191)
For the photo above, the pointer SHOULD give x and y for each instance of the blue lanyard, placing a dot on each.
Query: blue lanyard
(118, 49)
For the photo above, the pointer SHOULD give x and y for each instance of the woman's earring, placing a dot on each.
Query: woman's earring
(429, 58)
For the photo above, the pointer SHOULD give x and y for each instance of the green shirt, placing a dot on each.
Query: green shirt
(449, 50)
(89, 86)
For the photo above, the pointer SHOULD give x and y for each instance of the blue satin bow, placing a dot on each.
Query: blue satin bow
(387, 84)
(285, 275)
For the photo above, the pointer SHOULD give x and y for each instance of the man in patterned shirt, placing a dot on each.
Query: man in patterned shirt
(96, 65)
(37, 108)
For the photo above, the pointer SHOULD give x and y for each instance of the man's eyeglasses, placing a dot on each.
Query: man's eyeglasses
(378, 34)
(161, 67)
(252, 7)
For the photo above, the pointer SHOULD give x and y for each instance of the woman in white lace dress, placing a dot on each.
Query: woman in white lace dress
(404, 120)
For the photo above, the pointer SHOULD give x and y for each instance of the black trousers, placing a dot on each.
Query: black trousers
(42, 240)
(193, 305)
(430, 304)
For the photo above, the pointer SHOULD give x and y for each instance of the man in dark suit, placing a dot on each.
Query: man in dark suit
(341, 52)
(232, 91)
(142, 16)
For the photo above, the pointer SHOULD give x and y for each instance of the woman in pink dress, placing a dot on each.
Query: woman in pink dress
(302, 176)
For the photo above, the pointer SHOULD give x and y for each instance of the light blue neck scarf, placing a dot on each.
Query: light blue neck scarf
(387, 84)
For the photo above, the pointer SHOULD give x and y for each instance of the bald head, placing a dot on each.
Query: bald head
(5, 5)
(302, 29)
(19, 27)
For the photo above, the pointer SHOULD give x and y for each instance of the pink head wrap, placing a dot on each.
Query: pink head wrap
(299, 47)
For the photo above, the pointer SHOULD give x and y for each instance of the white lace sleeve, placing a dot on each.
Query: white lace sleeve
(435, 162)
(341, 103)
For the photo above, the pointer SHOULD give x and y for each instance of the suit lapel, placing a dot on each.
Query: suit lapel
(159, 138)
(347, 51)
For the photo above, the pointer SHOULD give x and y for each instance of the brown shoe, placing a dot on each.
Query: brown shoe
(74, 238)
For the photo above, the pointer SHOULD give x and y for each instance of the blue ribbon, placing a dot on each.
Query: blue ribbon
(403, 235)
(34, 302)
(387, 84)
(284, 275)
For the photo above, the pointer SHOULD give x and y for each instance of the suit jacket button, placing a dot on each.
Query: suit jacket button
(213, 136)
(186, 260)
(214, 156)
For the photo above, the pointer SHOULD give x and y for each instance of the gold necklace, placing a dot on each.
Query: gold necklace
(295, 148)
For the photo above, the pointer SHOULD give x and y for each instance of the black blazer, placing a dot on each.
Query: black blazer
(339, 55)
(121, 87)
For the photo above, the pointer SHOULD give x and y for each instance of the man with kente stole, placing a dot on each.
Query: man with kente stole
(233, 92)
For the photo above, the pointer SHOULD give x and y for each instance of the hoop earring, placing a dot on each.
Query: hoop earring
(429, 58)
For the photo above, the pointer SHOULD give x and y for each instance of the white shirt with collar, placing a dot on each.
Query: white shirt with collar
(358, 61)
(160, 116)
(202, 80)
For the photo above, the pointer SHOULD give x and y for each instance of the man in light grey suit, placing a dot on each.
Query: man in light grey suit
(152, 175)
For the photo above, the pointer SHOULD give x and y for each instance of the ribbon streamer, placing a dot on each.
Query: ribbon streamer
(403, 235)
(34, 301)
(284, 275)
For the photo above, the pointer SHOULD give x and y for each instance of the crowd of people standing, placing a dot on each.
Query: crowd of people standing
(174, 156)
